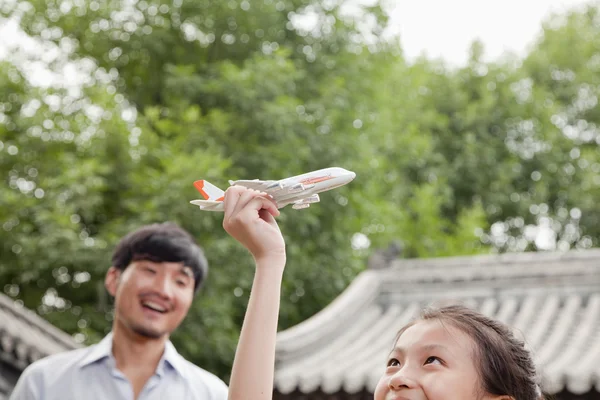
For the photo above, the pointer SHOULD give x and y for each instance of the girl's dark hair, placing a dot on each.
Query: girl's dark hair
(505, 366)
(165, 242)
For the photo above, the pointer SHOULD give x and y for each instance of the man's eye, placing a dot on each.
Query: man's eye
(393, 363)
(150, 270)
(433, 360)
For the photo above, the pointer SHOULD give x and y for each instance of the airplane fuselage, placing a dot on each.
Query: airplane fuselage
(313, 183)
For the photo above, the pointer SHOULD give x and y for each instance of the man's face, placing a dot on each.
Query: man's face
(151, 299)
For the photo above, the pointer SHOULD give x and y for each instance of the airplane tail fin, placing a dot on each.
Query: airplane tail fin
(209, 191)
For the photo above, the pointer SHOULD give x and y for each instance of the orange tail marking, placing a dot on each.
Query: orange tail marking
(199, 185)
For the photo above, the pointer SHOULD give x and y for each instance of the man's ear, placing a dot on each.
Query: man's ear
(111, 281)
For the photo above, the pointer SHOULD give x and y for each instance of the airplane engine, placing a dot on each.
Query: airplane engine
(312, 199)
(276, 187)
(299, 206)
(297, 188)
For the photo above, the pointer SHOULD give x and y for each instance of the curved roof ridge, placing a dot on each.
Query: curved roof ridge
(26, 337)
(550, 300)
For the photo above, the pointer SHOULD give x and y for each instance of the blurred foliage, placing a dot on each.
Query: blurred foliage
(489, 157)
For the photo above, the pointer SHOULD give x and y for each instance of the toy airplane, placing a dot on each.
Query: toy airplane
(301, 190)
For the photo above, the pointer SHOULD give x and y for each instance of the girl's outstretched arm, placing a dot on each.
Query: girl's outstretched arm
(249, 218)
(254, 364)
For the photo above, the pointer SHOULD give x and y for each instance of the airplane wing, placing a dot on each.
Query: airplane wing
(205, 202)
(263, 186)
(277, 189)
(208, 205)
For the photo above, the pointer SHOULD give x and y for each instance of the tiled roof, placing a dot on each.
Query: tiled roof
(5, 388)
(25, 337)
(552, 300)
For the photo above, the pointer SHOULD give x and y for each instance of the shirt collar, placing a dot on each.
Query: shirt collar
(172, 357)
(99, 351)
(103, 349)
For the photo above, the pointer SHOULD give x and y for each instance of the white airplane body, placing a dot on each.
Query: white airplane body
(301, 190)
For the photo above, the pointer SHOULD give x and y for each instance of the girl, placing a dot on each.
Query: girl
(456, 353)
(450, 353)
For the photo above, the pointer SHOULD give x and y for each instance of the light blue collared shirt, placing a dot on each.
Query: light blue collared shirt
(91, 374)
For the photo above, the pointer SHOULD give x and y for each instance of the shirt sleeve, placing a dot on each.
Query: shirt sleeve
(221, 391)
(28, 385)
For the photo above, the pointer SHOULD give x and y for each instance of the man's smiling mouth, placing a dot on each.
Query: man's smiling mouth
(154, 306)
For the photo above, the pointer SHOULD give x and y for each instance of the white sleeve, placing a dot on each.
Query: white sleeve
(28, 386)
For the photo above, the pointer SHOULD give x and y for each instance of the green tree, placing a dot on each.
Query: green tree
(450, 161)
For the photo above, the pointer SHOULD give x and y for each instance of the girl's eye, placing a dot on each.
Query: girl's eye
(393, 363)
(433, 360)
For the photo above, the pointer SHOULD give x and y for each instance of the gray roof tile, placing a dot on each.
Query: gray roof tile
(25, 337)
(551, 300)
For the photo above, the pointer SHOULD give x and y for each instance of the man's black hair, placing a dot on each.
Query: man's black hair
(165, 242)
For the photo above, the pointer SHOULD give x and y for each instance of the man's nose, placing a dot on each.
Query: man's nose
(164, 287)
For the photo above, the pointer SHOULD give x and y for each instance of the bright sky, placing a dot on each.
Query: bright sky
(445, 28)
(440, 28)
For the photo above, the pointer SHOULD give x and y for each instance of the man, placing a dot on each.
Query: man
(155, 273)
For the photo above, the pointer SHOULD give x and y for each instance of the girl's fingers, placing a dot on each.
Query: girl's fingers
(232, 196)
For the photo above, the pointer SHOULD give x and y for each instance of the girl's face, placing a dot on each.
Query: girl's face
(431, 361)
